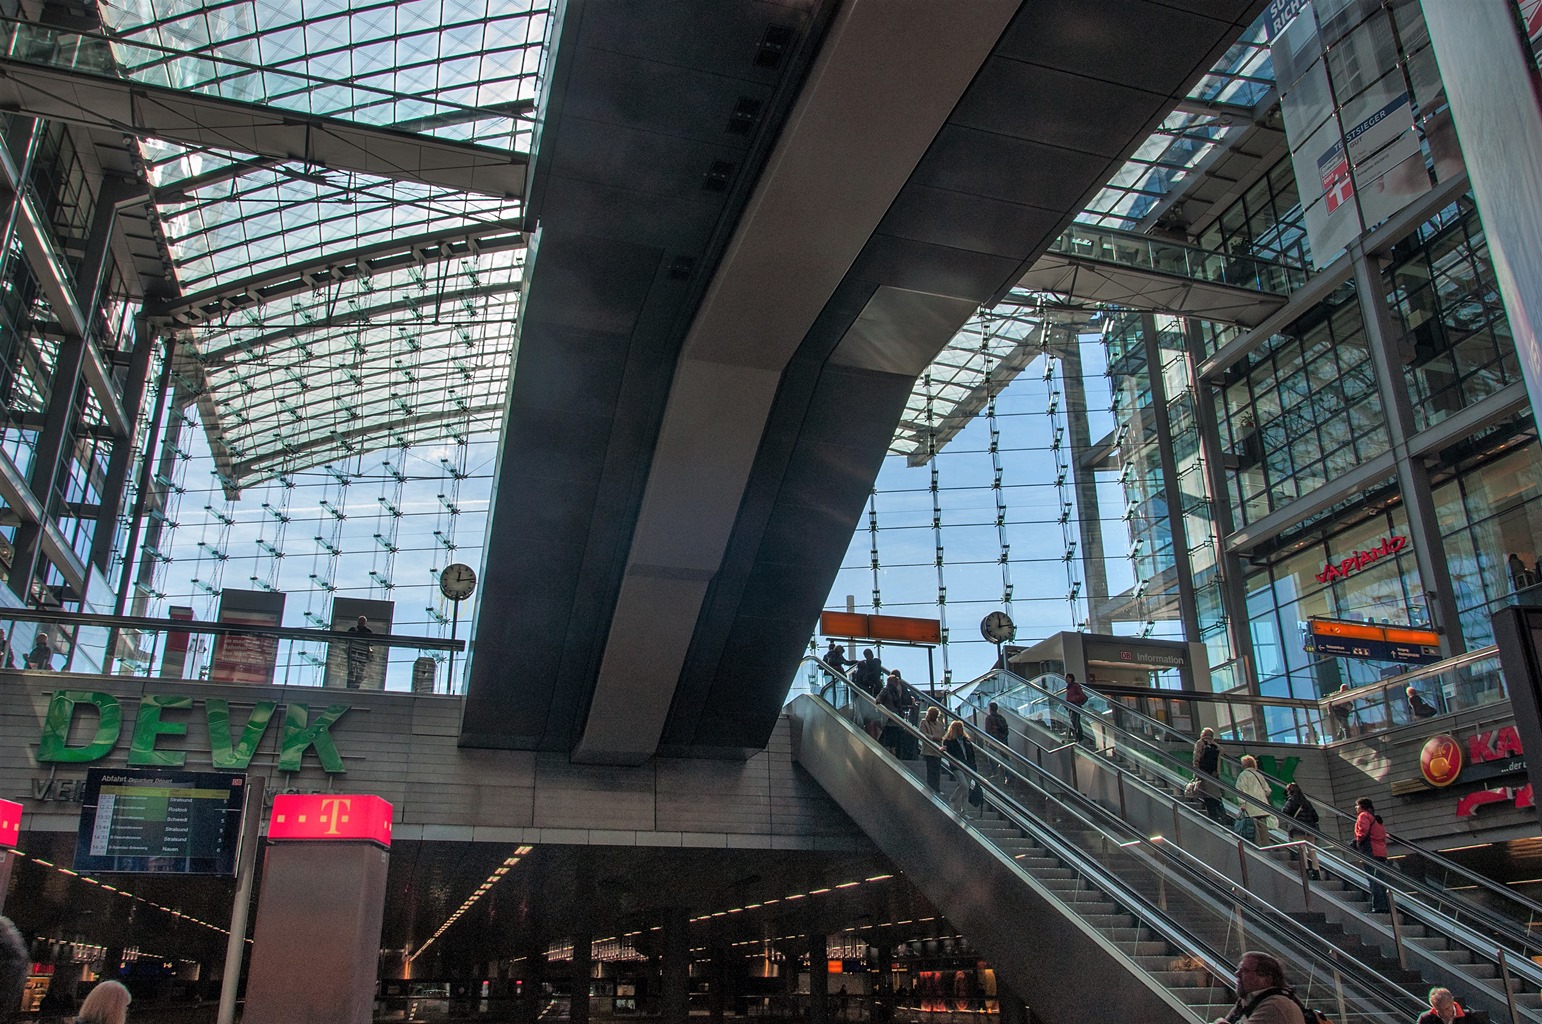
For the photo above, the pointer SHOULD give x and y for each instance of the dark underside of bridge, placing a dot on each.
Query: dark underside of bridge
(757, 224)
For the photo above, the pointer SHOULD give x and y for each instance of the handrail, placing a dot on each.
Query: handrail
(1507, 925)
(149, 625)
(1093, 814)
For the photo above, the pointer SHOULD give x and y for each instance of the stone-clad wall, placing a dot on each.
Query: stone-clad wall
(1371, 766)
(403, 748)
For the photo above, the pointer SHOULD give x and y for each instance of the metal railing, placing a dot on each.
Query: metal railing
(1150, 877)
(229, 652)
(1143, 252)
(1471, 680)
(1499, 928)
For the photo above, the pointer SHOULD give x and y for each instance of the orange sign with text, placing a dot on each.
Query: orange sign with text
(334, 817)
(894, 628)
(10, 823)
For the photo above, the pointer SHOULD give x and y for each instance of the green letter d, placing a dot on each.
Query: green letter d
(54, 743)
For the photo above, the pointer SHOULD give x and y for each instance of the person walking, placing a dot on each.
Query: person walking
(15, 966)
(1252, 784)
(359, 653)
(996, 729)
(1262, 995)
(934, 729)
(960, 751)
(1300, 810)
(1371, 840)
(1207, 763)
(1076, 697)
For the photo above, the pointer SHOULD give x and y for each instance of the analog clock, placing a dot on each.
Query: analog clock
(997, 627)
(457, 581)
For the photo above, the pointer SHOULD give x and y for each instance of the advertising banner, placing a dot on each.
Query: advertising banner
(247, 659)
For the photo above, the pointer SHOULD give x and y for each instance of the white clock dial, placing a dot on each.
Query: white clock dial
(997, 627)
(457, 581)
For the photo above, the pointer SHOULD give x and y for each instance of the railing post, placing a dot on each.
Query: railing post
(1242, 863)
(1338, 993)
(1397, 929)
(1306, 886)
(1123, 812)
(1507, 982)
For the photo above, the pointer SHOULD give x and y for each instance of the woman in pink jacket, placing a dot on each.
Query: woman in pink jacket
(1371, 840)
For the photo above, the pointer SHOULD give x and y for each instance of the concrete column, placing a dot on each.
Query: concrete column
(676, 965)
(1188, 609)
(1084, 483)
(818, 979)
(883, 987)
(531, 971)
(1493, 91)
(580, 969)
(1412, 475)
(316, 944)
(717, 991)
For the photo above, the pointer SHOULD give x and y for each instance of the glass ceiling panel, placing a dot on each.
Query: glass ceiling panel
(404, 357)
(400, 357)
(1244, 77)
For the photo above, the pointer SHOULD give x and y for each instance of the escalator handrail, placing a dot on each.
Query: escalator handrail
(1467, 876)
(1413, 895)
(1096, 816)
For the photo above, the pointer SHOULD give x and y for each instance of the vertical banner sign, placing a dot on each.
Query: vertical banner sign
(10, 823)
(174, 660)
(247, 659)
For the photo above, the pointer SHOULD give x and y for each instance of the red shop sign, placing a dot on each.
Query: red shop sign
(1362, 559)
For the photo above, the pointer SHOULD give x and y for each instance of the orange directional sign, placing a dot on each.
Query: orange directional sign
(895, 628)
(335, 817)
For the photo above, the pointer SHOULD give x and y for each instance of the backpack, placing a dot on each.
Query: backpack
(1308, 815)
(1309, 1015)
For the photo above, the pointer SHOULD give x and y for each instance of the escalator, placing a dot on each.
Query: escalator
(1435, 934)
(1083, 916)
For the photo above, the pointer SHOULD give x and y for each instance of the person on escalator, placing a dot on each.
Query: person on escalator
(1076, 697)
(1262, 995)
(1300, 810)
(934, 729)
(1251, 783)
(996, 729)
(1371, 840)
(960, 751)
(1443, 1008)
(836, 658)
(896, 700)
(1207, 763)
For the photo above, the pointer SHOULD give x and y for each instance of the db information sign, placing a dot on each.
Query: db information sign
(333, 817)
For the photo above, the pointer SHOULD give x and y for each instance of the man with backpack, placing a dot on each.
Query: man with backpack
(1262, 995)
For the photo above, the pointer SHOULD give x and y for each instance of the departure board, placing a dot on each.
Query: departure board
(160, 821)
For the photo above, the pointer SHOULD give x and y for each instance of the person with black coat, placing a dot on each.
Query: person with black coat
(1300, 810)
(1207, 766)
(897, 701)
(956, 744)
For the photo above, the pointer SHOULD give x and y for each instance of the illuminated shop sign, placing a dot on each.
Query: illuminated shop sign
(229, 748)
(1486, 755)
(10, 823)
(1362, 559)
(328, 817)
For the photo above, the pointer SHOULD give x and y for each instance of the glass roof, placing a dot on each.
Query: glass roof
(954, 389)
(1242, 79)
(343, 361)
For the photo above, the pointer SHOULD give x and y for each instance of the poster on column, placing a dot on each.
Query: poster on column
(247, 659)
(355, 663)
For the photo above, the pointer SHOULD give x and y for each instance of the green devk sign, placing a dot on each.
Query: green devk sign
(301, 732)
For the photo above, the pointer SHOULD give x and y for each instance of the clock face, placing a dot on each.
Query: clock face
(457, 581)
(997, 627)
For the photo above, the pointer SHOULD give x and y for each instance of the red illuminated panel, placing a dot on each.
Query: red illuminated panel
(10, 823)
(897, 628)
(1414, 637)
(1348, 630)
(336, 817)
